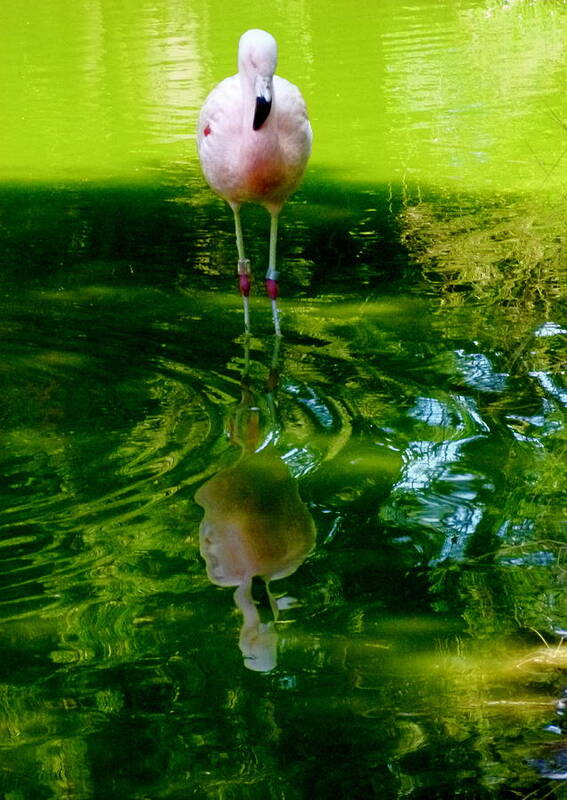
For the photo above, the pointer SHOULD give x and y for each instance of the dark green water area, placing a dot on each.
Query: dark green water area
(331, 566)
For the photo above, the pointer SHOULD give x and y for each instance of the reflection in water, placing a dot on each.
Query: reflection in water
(429, 421)
(553, 763)
(256, 527)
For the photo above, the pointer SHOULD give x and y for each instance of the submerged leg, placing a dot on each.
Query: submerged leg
(272, 274)
(244, 273)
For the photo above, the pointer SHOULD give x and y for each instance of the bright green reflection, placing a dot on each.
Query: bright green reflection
(454, 92)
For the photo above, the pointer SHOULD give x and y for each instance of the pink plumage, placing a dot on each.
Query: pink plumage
(254, 141)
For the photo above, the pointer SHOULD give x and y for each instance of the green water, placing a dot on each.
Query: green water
(414, 413)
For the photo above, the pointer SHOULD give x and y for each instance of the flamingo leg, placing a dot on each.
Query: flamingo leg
(244, 272)
(272, 273)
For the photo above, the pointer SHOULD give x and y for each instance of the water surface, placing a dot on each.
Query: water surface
(414, 412)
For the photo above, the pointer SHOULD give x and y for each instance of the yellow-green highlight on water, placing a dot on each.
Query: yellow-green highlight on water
(450, 93)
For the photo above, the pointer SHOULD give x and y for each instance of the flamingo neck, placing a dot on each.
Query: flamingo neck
(247, 84)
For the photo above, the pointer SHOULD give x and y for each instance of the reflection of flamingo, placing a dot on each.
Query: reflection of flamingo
(254, 140)
(255, 526)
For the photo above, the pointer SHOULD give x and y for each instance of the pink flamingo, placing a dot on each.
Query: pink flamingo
(254, 141)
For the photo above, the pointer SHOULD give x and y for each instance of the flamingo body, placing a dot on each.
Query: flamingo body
(243, 165)
(254, 141)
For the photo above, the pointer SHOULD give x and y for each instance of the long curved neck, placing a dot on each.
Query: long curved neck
(248, 607)
(247, 84)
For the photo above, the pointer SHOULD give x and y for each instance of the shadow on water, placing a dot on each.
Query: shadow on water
(329, 236)
(425, 434)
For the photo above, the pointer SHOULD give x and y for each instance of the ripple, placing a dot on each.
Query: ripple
(109, 421)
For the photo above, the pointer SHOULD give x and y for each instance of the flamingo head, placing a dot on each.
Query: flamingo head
(257, 59)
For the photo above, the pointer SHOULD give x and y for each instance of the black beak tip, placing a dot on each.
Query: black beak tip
(261, 113)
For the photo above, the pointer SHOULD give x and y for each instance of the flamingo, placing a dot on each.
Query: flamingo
(254, 141)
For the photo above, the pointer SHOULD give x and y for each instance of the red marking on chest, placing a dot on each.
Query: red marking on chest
(264, 177)
(207, 131)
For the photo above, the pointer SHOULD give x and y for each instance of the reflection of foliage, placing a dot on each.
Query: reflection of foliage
(510, 253)
(431, 449)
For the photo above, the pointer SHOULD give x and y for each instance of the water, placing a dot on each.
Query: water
(414, 414)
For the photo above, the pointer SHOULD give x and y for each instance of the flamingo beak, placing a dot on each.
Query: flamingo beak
(263, 101)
